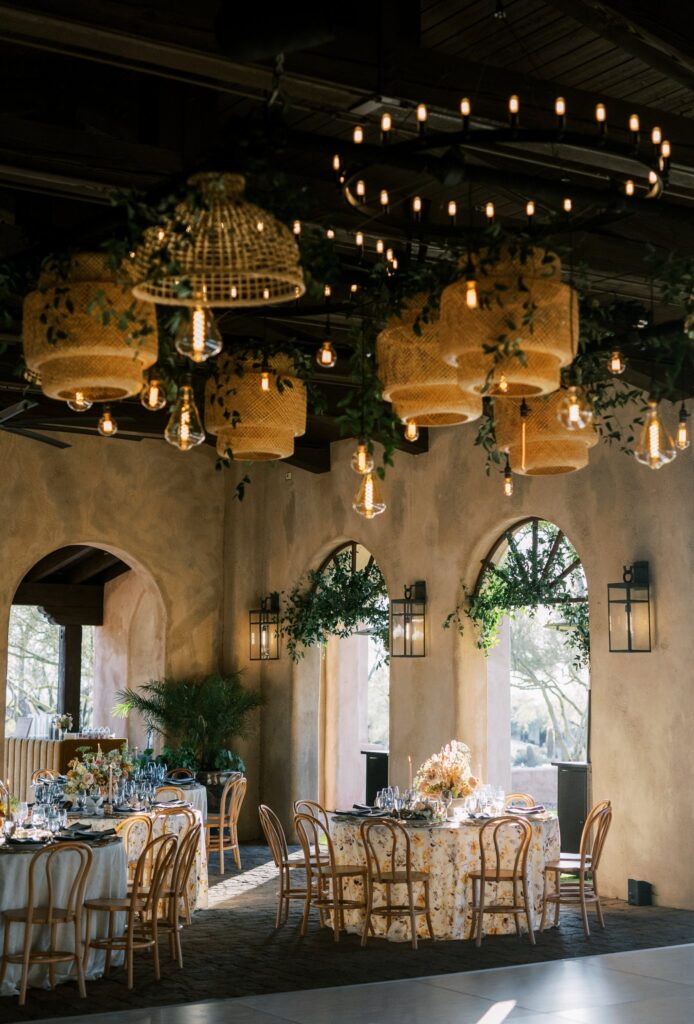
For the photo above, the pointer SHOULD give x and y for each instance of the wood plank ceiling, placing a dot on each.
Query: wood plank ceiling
(113, 94)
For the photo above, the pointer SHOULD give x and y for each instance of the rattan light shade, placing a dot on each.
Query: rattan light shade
(226, 251)
(548, 342)
(415, 378)
(72, 337)
(550, 449)
(268, 421)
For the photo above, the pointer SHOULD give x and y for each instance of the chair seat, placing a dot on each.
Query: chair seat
(40, 915)
(114, 903)
(505, 875)
(400, 877)
(346, 870)
(568, 866)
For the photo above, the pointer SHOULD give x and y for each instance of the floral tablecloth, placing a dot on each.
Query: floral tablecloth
(168, 823)
(448, 853)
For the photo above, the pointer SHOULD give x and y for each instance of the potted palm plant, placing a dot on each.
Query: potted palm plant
(198, 719)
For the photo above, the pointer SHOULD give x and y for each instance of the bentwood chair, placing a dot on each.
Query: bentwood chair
(43, 773)
(392, 867)
(519, 799)
(140, 907)
(507, 867)
(181, 773)
(226, 821)
(277, 841)
(325, 878)
(76, 859)
(582, 888)
(313, 808)
(136, 833)
(175, 892)
(170, 793)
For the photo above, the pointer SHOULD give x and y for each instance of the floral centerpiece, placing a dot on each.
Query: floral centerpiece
(92, 769)
(63, 722)
(447, 770)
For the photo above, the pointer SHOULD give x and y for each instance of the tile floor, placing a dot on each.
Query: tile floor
(650, 986)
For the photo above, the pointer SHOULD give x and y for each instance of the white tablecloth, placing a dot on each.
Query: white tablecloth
(173, 823)
(108, 878)
(196, 796)
(448, 853)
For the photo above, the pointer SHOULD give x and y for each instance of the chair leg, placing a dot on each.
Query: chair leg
(473, 912)
(544, 905)
(428, 909)
(307, 910)
(367, 913)
(155, 947)
(111, 920)
(598, 906)
(25, 966)
(528, 918)
(130, 956)
(87, 939)
(221, 851)
(237, 851)
(480, 914)
(584, 906)
(413, 916)
(78, 956)
(51, 967)
(516, 913)
(5, 944)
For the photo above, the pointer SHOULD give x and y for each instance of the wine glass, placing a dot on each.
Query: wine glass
(446, 799)
(22, 812)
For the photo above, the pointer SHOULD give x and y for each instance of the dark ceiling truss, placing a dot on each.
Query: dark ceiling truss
(187, 87)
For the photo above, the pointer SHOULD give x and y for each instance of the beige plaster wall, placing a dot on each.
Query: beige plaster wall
(443, 515)
(160, 510)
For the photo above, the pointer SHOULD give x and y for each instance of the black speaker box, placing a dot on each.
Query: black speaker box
(640, 893)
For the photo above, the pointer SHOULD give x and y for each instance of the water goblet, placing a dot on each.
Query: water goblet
(446, 799)
(38, 815)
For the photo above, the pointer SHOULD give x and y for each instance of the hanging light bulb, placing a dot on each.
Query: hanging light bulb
(574, 413)
(422, 115)
(385, 199)
(656, 135)
(336, 163)
(530, 210)
(411, 431)
(502, 386)
(601, 117)
(367, 501)
(184, 429)
(326, 355)
(199, 337)
(79, 403)
(380, 246)
(489, 212)
(417, 207)
(152, 395)
(465, 107)
(560, 106)
(296, 227)
(452, 210)
(634, 128)
(629, 187)
(508, 479)
(682, 436)
(358, 134)
(471, 296)
(360, 189)
(655, 447)
(390, 255)
(359, 240)
(330, 234)
(362, 459)
(386, 125)
(107, 426)
(513, 108)
(616, 364)
(524, 412)
(265, 374)
(568, 205)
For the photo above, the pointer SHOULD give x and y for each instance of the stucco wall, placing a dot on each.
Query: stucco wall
(443, 515)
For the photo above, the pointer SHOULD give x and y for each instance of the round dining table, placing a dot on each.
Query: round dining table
(449, 852)
(108, 878)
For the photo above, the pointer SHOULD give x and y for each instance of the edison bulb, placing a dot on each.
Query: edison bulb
(682, 436)
(326, 355)
(560, 106)
(655, 447)
(417, 204)
(616, 364)
(508, 480)
(184, 429)
(358, 134)
(386, 122)
(107, 426)
(502, 386)
(465, 107)
(471, 296)
(367, 501)
(629, 187)
(264, 380)
(199, 338)
(411, 431)
(600, 113)
(152, 395)
(489, 211)
(574, 413)
(362, 459)
(79, 403)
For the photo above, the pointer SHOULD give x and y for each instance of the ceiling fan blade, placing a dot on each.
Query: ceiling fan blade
(16, 409)
(22, 432)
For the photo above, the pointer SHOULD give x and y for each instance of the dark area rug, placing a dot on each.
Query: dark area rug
(232, 949)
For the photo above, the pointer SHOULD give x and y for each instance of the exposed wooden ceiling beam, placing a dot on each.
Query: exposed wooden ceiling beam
(65, 604)
(93, 565)
(54, 563)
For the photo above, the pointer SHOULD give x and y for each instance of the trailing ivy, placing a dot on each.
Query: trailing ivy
(335, 601)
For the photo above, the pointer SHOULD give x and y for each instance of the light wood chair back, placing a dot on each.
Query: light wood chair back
(594, 834)
(175, 812)
(314, 834)
(520, 799)
(275, 835)
(227, 821)
(136, 833)
(313, 808)
(183, 867)
(170, 792)
(492, 834)
(503, 867)
(72, 860)
(397, 855)
(181, 773)
(43, 773)
(325, 878)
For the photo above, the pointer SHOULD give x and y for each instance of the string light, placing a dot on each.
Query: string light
(394, 263)
(353, 288)
(655, 448)
(380, 247)
(336, 163)
(489, 212)
(524, 411)
(359, 240)
(153, 396)
(326, 356)
(411, 431)
(422, 115)
(327, 291)
(471, 296)
(330, 234)
(682, 436)
(296, 227)
(573, 412)
(385, 199)
(417, 207)
(665, 149)
(568, 205)
(386, 125)
(656, 135)
(560, 111)
(360, 189)
(107, 426)
(198, 338)
(358, 134)
(452, 210)
(530, 210)
(184, 429)
(616, 363)
(265, 376)
(260, 225)
(508, 479)
(634, 128)
(362, 459)
(390, 255)
(513, 109)
(465, 107)
(629, 187)
(367, 501)
(79, 403)
(601, 117)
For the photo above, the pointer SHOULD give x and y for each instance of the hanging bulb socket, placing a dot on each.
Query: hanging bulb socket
(107, 426)
(682, 439)
(411, 431)
(153, 396)
(508, 479)
(616, 363)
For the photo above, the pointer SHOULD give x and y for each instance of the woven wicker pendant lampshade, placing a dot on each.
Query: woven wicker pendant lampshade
(72, 332)
(550, 448)
(226, 252)
(421, 386)
(268, 420)
(548, 342)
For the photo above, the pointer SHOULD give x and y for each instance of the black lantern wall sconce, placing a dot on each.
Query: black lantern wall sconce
(408, 623)
(629, 608)
(264, 623)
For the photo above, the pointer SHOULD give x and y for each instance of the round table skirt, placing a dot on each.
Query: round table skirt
(107, 878)
(448, 853)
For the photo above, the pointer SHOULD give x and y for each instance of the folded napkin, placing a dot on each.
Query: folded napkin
(523, 811)
(180, 782)
(79, 826)
(169, 803)
(24, 841)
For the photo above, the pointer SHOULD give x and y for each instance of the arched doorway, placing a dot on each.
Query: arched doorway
(84, 623)
(354, 707)
(531, 607)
